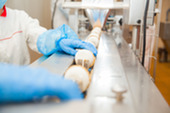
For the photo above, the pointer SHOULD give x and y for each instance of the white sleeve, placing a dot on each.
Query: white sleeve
(32, 30)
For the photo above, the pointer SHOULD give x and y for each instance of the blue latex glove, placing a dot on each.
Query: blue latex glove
(69, 45)
(2, 3)
(64, 39)
(21, 84)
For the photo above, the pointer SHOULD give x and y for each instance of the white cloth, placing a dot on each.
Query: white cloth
(18, 30)
(60, 15)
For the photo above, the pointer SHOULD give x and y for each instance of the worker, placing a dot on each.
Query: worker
(18, 84)
(17, 30)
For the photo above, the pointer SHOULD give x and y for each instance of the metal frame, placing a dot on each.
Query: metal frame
(78, 5)
(157, 37)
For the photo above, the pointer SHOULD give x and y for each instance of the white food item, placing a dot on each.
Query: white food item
(93, 40)
(97, 30)
(79, 75)
(85, 55)
(94, 34)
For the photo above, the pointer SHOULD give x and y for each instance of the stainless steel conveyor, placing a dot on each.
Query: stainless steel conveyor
(115, 66)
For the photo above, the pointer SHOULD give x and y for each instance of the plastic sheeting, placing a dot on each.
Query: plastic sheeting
(97, 3)
(97, 14)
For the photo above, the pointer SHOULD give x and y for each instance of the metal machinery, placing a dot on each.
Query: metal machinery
(120, 84)
(165, 35)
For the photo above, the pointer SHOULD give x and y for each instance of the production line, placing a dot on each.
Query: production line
(113, 81)
(119, 83)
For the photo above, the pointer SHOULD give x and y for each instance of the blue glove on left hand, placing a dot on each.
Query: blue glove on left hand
(23, 84)
(62, 39)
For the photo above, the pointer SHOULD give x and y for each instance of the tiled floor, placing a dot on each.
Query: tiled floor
(163, 79)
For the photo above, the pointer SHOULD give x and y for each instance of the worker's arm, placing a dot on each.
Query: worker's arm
(48, 42)
(23, 84)
(31, 28)
(63, 39)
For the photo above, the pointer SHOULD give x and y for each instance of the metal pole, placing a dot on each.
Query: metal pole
(134, 38)
(157, 38)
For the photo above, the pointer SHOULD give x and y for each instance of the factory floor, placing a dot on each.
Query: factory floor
(163, 79)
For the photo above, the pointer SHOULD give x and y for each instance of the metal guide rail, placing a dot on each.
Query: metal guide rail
(119, 84)
(79, 5)
(116, 65)
(57, 63)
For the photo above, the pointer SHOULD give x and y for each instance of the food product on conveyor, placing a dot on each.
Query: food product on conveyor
(97, 30)
(80, 75)
(94, 36)
(85, 58)
(97, 24)
(93, 40)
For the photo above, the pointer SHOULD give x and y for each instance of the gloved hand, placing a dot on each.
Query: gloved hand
(69, 45)
(61, 39)
(20, 84)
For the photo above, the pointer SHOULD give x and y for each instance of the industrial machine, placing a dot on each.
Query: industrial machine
(165, 36)
(120, 84)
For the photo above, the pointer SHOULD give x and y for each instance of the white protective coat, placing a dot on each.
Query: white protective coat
(18, 30)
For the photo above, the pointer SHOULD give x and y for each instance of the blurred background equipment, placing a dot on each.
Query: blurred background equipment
(165, 36)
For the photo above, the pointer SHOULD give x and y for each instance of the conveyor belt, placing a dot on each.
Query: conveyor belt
(118, 65)
(108, 72)
(114, 65)
(56, 63)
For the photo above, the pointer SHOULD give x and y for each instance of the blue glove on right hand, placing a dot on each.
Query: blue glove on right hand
(62, 39)
(20, 84)
(69, 46)
(47, 41)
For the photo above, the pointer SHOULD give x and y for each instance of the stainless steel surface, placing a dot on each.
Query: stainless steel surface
(115, 65)
(56, 63)
(135, 12)
(119, 90)
(108, 72)
(146, 96)
(49, 107)
(134, 38)
(78, 5)
(119, 65)
(39, 61)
